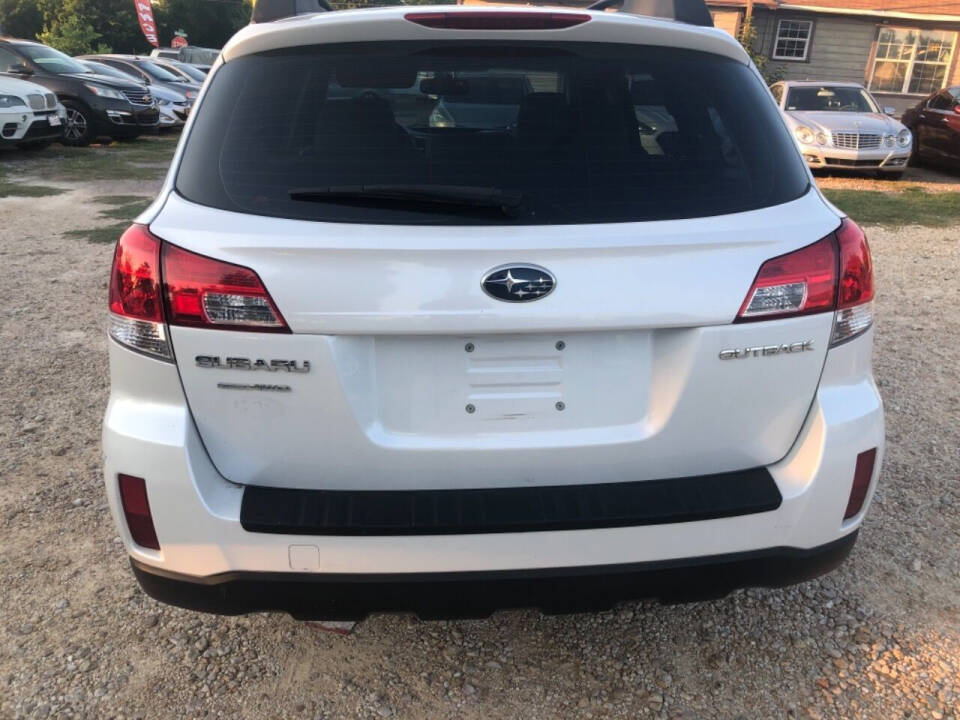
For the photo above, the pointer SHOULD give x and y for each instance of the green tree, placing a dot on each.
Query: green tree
(748, 38)
(20, 18)
(207, 23)
(72, 36)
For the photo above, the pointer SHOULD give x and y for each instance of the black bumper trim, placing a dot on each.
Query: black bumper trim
(511, 509)
(328, 596)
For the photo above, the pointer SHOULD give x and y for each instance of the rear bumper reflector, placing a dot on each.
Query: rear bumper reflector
(514, 509)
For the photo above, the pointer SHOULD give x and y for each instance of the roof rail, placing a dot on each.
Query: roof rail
(268, 10)
(692, 12)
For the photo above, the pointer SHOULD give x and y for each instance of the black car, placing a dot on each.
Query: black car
(935, 124)
(96, 105)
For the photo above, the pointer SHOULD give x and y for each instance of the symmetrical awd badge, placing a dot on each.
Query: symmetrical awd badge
(518, 283)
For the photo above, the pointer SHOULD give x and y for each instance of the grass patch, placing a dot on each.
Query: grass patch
(128, 211)
(146, 158)
(122, 207)
(119, 199)
(101, 235)
(10, 189)
(911, 206)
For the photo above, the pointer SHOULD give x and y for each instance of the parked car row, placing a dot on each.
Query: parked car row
(47, 96)
(842, 126)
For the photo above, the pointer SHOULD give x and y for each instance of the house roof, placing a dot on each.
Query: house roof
(894, 8)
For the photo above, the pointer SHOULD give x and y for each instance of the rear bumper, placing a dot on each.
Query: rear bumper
(149, 433)
(308, 596)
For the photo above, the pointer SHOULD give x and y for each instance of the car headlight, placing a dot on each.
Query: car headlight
(9, 101)
(904, 138)
(889, 140)
(822, 138)
(104, 91)
(804, 135)
(162, 102)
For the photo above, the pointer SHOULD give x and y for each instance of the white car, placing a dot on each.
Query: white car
(840, 126)
(30, 115)
(363, 365)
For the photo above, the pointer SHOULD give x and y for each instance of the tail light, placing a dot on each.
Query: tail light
(203, 292)
(136, 509)
(855, 299)
(153, 284)
(835, 274)
(136, 303)
(497, 20)
(861, 482)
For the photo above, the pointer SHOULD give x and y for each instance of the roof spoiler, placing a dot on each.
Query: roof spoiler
(268, 10)
(692, 12)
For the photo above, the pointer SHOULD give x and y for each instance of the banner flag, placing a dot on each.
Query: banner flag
(145, 17)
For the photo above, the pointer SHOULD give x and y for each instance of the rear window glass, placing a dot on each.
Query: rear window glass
(571, 133)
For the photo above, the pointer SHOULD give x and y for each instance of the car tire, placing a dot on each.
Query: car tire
(78, 128)
(34, 145)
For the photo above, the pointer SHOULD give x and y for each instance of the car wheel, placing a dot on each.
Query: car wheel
(33, 145)
(78, 129)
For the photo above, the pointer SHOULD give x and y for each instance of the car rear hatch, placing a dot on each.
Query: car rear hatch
(648, 184)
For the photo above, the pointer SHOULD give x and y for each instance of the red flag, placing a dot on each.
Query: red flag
(145, 17)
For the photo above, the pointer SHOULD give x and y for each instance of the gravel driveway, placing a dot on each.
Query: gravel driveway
(880, 638)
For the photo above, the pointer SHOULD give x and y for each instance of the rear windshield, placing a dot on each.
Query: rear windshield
(572, 133)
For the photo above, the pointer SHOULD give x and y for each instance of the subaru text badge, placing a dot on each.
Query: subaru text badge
(518, 283)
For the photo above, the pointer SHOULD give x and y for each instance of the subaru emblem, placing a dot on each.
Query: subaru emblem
(518, 283)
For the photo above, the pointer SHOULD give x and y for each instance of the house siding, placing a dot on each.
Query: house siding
(840, 50)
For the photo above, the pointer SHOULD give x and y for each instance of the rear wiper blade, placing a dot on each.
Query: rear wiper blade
(463, 195)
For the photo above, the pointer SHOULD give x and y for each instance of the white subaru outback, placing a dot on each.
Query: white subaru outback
(588, 333)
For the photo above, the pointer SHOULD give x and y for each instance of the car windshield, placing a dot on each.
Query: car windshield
(580, 132)
(158, 73)
(51, 60)
(830, 98)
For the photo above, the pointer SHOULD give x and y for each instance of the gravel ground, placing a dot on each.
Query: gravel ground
(879, 638)
(932, 180)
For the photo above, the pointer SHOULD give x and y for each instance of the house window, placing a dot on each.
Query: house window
(912, 61)
(793, 40)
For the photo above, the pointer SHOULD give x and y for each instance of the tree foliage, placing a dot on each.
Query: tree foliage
(748, 38)
(77, 26)
(73, 36)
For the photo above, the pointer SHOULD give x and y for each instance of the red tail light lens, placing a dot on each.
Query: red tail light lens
(835, 273)
(861, 482)
(136, 304)
(798, 283)
(136, 509)
(135, 278)
(497, 20)
(855, 292)
(203, 292)
(856, 266)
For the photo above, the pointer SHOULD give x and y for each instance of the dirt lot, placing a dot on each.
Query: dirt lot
(880, 638)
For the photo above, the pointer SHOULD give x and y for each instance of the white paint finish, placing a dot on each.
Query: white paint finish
(388, 24)
(389, 412)
(335, 278)
(196, 511)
